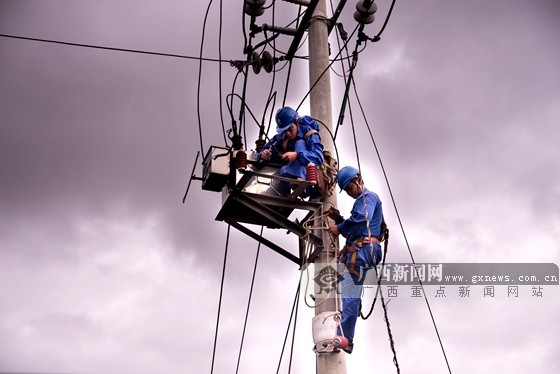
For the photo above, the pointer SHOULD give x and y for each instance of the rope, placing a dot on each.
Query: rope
(391, 340)
(308, 228)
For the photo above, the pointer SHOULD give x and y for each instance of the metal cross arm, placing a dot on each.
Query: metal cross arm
(273, 216)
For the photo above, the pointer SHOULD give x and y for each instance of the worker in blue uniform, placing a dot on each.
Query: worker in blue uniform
(296, 144)
(362, 251)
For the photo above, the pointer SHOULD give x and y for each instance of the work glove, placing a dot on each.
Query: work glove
(334, 214)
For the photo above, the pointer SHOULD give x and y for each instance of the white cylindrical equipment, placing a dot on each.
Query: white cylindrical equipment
(324, 327)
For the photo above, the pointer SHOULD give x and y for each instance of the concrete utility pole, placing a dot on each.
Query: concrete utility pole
(321, 108)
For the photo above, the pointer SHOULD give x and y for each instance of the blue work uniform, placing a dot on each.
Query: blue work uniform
(308, 150)
(354, 229)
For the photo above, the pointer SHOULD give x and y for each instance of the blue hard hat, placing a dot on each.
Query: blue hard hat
(284, 118)
(345, 175)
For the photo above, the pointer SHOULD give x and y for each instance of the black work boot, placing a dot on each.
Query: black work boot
(348, 349)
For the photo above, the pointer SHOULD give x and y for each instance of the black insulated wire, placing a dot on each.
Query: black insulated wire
(249, 303)
(220, 300)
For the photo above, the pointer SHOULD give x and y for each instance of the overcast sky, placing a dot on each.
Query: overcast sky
(104, 270)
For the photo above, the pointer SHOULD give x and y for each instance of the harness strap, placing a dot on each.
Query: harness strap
(353, 256)
(352, 269)
(352, 249)
(366, 240)
(309, 133)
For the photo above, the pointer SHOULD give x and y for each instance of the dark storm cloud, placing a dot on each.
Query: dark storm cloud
(455, 94)
(71, 145)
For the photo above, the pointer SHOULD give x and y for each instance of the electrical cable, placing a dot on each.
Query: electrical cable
(232, 95)
(243, 30)
(230, 106)
(242, 107)
(249, 303)
(287, 84)
(341, 35)
(220, 299)
(51, 41)
(293, 338)
(361, 38)
(200, 76)
(345, 100)
(271, 98)
(296, 300)
(378, 36)
(220, 73)
(272, 92)
(242, 124)
(331, 135)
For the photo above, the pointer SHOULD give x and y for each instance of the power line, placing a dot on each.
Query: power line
(113, 48)
(249, 303)
(200, 77)
(220, 72)
(293, 337)
(294, 305)
(376, 37)
(220, 301)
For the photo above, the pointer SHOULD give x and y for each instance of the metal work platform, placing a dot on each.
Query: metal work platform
(249, 197)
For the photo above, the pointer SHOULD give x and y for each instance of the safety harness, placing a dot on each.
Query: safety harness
(359, 243)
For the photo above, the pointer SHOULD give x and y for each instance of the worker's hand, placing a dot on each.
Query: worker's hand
(289, 157)
(265, 155)
(333, 230)
(333, 213)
